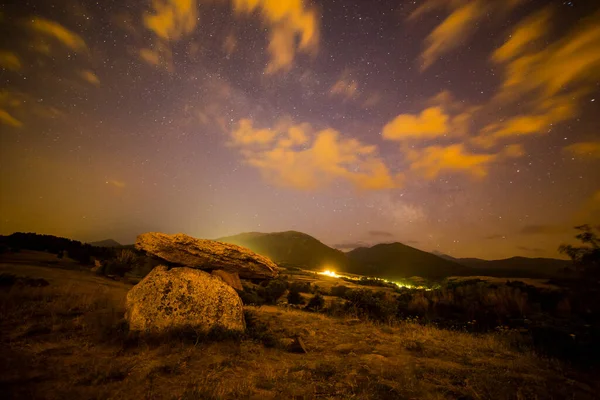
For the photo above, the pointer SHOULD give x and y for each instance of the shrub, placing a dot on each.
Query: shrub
(365, 303)
(339, 291)
(337, 308)
(124, 261)
(316, 303)
(252, 296)
(259, 331)
(294, 297)
(301, 287)
(274, 290)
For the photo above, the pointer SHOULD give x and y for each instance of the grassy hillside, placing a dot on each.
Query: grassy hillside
(396, 261)
(68, 341)
(291, 248)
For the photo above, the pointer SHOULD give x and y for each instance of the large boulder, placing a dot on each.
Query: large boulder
(207, 254)
(183, 298)
(230, 278)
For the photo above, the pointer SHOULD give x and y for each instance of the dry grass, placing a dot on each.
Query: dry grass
(67, 341)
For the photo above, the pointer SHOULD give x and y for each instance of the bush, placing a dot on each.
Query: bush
(274, 290)
(378, 306)
(259, 331)
(294, 297)
(301, 287)
(316, 303)
(125, 261)
(252, 296)
(339, 291)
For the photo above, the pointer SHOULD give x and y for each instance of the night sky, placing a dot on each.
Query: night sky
(466, 127)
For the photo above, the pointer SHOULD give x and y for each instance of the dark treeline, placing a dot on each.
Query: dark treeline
(81, 252)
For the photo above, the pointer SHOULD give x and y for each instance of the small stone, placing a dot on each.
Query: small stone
(298, 346)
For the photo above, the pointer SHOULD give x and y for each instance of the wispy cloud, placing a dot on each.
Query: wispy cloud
(430, 123)
(300, 157)
(10, 61)
(590, 150)
(116, 183)
(57, 31)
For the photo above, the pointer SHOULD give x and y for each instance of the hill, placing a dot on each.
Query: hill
(513, 267)
(76, 347)
(517, 267)
(291, 248)
(106, 243)
(397, 261)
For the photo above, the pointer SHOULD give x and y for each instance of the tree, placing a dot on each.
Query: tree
(316, 303)
(294, 296)
(274, 290)
(586, 258)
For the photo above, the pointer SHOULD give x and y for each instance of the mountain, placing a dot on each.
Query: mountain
(396, 261)
(517, 267)
(106, 243)
(514, 267)
(291, 248)
(445, 256)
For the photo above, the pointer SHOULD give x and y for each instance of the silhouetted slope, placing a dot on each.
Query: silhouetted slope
(517, 267)
(106, 243)
(291, 248)
(396, 261)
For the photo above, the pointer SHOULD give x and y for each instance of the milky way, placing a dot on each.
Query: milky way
(465, 127)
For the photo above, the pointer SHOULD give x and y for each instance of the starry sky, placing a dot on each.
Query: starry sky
(468, 127)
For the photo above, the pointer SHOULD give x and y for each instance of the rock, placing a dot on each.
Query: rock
(297, 346)
(345, 348)
(230, 278)
(207, 254)
(181, 298)
(97, 268)
(374, 358)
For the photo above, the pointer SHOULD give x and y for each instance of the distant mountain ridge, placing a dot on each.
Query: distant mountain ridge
(391, 261)
(513, 267)
(518, 267)
(397, 260)
(291, 248)
(106, 243)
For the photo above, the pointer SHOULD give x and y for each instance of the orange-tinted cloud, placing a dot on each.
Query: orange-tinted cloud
(55, 30)
(346, 87)
(513, 151)
(452, 32)
(230, 44)
(289, 22)
(432, 161)
(89, 77)
(10, 61)
(563, 65)
(116, 183)
(7, 119)
(170, 20)
(298, 157)
(159, 56)
(245, 134)
(544, 113)
(524, 34)
(584, 149)
(431, 123)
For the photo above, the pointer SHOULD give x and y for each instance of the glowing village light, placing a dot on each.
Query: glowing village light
(330, 273)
